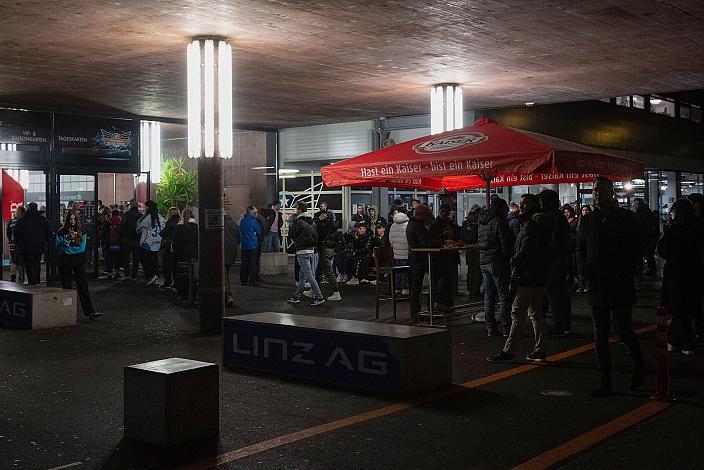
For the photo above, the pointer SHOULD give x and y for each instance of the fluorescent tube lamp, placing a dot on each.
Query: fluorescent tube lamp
(284, 171)
(446, 108)
(209, 98)
(150, 149)
(263, 168)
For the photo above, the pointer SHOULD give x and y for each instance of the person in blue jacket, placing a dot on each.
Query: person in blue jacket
(71, 243)
(249, 245)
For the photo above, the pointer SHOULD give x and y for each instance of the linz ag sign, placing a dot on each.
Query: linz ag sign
(15, 309)
(327, 356)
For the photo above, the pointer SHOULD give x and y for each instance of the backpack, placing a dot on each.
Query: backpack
(113, 233)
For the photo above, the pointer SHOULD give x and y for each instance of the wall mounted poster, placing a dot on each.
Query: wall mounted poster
(25, 137)
(97, 142)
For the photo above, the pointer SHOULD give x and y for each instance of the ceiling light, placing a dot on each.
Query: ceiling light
(209, 98)
(263, 167)
(628, 186)
(150, 149)
(446, 108)
(284, 171)
(530, 103)
(655, 101)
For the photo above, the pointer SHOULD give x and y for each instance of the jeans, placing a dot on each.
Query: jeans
(557, 292)
(497, 277)
(248, 269)
(527, 303)
(33, 267)
(401, 276)
(111, 260)
(150, 263)
(601, 318)
(127, 252)
(66, 268)
(272, 242)
(305, 261)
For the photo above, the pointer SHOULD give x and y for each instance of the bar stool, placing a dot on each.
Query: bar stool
(384, 265)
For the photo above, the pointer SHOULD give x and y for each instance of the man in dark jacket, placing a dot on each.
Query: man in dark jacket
(326, 245)
(362, 216)
(650, 232)
(445, 264)
(305, 238)
(609, 245)
(418, 237)
(324, 208)
(231, 241)
(129, 239)
(250, 230)
(496, 242)
(557, 288)
(529, 269)
(469, 234)
(359, 256)
(32, 233)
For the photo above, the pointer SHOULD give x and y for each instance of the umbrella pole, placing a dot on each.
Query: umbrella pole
(488, 189)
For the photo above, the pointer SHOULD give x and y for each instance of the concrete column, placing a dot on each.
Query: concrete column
(211, 251)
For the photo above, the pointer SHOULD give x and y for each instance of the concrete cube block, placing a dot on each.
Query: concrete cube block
(171, 401)
(36, 307)
(274, 263)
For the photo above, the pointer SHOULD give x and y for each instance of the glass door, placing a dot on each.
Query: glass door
(19, 188)
(77, 192)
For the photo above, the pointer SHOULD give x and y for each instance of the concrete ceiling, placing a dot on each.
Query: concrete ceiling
(317, 61)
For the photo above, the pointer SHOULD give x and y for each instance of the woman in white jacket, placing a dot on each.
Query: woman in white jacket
(150, 227)
(399, 243)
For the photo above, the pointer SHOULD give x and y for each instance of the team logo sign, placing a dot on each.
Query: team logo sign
(443, 144)
(114, 139)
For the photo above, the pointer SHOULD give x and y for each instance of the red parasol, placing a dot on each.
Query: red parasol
(479, 155)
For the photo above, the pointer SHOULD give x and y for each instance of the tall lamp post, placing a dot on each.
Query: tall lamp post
(210, 140)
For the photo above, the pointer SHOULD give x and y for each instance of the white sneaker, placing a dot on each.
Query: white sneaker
(687, 352)
(404, 292)
(152, 280)
(365, 281)
(373, 282)
(308, 293)
(670, 347)
(353, 282)
(307, 286)
(335, 296)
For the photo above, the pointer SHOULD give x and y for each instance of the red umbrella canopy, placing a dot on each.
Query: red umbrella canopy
(465, 158)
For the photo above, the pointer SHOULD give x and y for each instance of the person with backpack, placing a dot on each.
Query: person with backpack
(326, 244)
(111, 236)
(231, 242)
(70, 242)
(305, 238)
(129, 240)
(185, 246)
(149, 227)
(168, 263)
(557, 286)
(469, 236)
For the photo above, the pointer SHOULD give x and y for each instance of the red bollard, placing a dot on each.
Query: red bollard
(662, 369)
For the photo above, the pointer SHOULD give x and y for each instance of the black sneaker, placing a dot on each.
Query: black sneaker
(95, 315)
(499, 357)
(492, 333)
(317, 302)
(293, 300)
(536, 356)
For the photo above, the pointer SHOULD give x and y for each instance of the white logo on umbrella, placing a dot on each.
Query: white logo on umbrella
(443, 144)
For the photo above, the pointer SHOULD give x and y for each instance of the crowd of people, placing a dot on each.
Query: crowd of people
(524, 258)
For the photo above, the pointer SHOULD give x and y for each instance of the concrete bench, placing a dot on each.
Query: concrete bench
(274, 263)
(395, 359)
(36, 307)
(172, 401)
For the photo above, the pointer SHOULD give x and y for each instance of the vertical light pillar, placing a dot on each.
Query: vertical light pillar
(446, 108)
(209, 78)
(150, 149)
